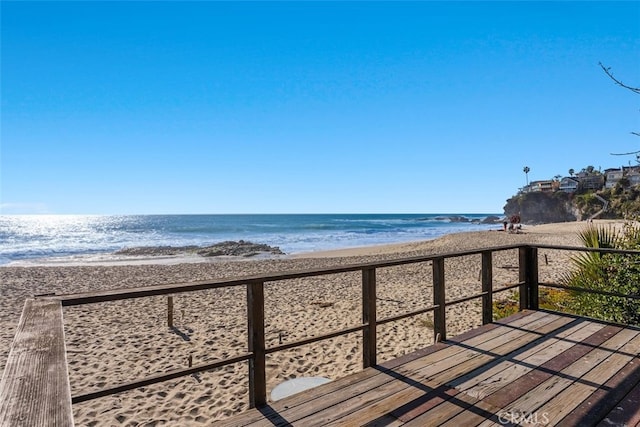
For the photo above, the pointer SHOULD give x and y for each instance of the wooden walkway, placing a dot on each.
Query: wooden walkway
(533, 368)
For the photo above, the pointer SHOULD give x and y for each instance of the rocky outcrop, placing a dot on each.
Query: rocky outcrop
(491, 219)
(538, 208)
(227, 248)
(239, 248)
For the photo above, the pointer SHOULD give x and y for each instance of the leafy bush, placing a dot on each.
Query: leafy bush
(607, 272)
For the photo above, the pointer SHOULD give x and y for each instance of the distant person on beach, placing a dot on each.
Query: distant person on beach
(514, 223)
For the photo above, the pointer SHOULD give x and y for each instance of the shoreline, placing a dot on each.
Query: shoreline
(115, 259)
(112, 343)
(31, 240)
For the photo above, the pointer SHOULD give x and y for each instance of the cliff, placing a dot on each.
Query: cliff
(536, 208)
(539, 207)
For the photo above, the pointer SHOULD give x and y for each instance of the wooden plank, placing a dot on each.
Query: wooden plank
(416, 385)
(335, 387)
(553, 386)
(474, 412)
(484, 328)
(626, 412)
(342, 388)
(374, 405)
(412, 390)
(524, 384)
(476, 345)
(528, 359)
(565, 402)
(444, 413)
(502, 345)
(408, 394)
(426, 402)
(453, 356)
(427, 406)
(606, 398)
(35, 387)
(507, 370)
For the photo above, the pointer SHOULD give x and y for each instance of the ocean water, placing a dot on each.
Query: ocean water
(29, 238)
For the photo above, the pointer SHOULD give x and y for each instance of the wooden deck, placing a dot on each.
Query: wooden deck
(533, 368)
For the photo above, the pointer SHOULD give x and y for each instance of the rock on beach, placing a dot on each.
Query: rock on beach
(227, 248)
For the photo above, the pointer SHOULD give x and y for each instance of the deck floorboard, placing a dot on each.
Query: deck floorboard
(535, 367)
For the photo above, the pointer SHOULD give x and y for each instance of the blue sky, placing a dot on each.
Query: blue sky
(304, 107)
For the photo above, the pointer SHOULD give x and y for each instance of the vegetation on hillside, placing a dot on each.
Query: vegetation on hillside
(558, 206)
(623, 201)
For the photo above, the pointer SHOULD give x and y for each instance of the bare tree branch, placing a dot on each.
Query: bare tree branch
(625, 154)
(635, 90)
(607, 70)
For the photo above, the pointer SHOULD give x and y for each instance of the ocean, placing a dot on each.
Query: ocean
(29, 239)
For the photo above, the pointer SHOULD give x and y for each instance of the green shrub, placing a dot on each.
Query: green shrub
(607, 272)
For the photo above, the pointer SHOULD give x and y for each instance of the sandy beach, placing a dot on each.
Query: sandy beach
(111, 343)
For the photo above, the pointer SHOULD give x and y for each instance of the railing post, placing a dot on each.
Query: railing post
(528, 277)
(257, 371)
(439, 299)
(369, 317)
(522, 277)
(170, 311)
(487, 287)
(532, 278)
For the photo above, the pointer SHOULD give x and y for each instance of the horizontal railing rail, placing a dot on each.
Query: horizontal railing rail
(255, 313)
(527, 284)
(155, 290)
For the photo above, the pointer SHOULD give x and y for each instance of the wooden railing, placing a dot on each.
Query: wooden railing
(27, 396)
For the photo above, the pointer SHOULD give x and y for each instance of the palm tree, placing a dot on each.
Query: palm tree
(526, 171)
(571, 172)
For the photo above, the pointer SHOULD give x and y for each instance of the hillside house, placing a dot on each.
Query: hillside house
(631, 173)
(612, 176)
(569, 184)
(545, 186)
(591, 182)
